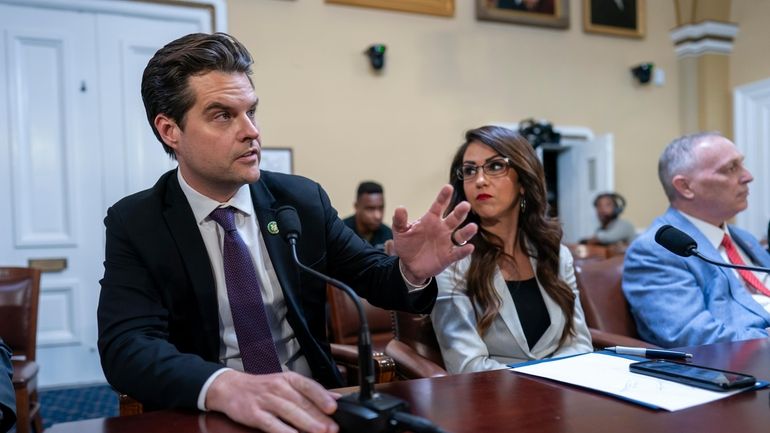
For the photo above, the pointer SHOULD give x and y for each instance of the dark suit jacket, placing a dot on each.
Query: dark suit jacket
(7, 394)
(158, 315)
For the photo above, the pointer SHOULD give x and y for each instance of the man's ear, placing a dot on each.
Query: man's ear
(682, 186)
(168, 130)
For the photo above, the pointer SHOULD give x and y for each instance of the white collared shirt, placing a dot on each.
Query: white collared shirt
(287, 346)
(715, 235)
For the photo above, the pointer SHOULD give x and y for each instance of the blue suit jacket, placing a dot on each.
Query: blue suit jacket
(682, 301)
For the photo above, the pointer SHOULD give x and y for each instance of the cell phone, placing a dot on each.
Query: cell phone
(694, 375)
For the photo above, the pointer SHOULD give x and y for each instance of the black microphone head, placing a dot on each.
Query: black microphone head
(288, 223)
(676, 241)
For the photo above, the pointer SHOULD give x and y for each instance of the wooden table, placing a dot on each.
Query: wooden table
(502, 401)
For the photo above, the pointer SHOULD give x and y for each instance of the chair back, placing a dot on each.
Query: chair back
(588, 251)
(416, 331)
(344, 324)
(601, 294)
(19, 297)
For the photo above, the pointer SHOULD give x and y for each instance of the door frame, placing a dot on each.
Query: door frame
(192, 10)
(751, 103)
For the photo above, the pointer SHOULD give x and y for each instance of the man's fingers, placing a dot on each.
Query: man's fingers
(459, 253)
(465, 234)
(442, 201)
(458, 215)
(313, 391)
(400, 220)
(303, 415)
(270, 423)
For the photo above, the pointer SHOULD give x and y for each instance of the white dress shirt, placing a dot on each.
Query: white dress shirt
(286, 344)
(715, 235)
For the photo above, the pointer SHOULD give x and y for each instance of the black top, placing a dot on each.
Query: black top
(530, 306)
(382, 234)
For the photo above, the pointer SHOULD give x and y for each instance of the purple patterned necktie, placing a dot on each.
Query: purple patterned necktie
(243, 290)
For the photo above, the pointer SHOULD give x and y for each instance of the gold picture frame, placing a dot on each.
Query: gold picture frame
(445, 8)
(547, 13)
(606, 17)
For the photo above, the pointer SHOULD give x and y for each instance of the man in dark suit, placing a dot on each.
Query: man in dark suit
(171, 324)
(7, 394)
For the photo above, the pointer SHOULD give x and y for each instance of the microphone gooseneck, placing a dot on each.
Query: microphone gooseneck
(365, 411)
(682, 244)
(291, 227)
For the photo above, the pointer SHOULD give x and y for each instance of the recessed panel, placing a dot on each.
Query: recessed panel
(42, 202)
(56, 321)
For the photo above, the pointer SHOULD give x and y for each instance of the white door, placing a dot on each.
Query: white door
(73, 140)
(53, 188)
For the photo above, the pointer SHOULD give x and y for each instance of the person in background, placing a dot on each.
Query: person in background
(7, 394)
(684, 301)
(515, 298)
(201, 305)
(612, 229)
(366, 222)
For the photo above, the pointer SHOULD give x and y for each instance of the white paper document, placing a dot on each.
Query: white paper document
(610, 374)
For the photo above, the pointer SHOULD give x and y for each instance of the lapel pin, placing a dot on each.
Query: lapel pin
(272, 227)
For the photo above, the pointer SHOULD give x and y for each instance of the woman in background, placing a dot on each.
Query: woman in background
(515, 298)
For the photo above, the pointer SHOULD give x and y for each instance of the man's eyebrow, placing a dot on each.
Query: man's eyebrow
(217, 106)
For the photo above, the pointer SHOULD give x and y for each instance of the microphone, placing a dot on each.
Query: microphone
(366, 410)
(682, 244)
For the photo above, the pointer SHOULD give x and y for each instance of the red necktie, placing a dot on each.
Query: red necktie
(748, 276)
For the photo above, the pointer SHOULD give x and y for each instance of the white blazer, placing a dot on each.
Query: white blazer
(464, 350)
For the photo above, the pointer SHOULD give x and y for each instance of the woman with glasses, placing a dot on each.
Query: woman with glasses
(515, 298)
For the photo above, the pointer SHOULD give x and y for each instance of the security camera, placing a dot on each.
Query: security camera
(376, 53)
(642, 72)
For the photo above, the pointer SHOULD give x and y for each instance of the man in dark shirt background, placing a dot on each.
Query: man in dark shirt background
(367, 221)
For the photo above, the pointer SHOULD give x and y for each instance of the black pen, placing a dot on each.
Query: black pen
(649, 353)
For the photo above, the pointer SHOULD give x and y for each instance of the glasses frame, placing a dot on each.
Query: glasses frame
(483, 168)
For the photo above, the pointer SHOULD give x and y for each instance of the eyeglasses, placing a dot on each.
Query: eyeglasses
(495, 168)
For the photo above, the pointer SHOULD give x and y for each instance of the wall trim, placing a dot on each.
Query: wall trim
(213, 11)
(751, 105)
(706, 37)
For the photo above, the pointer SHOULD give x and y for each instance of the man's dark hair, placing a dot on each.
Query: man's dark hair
(165, 84)
(368, 188)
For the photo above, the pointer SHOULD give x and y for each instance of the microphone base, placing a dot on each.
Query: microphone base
(372, 415)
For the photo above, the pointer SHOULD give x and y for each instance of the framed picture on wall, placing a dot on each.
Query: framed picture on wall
(548, 13)
(432, 7)
(278, 159)
(614, 17)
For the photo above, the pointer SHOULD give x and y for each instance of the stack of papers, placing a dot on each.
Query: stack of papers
(609, 373)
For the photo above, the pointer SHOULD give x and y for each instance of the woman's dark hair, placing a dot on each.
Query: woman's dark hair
(165, 85)
(543, 234)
